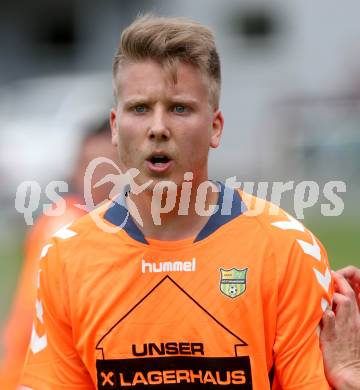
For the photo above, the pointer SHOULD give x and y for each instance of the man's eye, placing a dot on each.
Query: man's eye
(139, 109)
(179, 109)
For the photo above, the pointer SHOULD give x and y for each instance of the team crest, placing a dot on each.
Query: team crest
(233, 281)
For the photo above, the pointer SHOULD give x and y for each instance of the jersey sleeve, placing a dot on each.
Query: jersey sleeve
(52, 361)
(304, 291)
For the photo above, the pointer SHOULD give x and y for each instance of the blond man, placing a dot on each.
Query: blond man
(181, 282)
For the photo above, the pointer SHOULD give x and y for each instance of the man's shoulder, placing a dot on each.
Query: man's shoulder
(87, 234)
(295, 248)
(280, 227)
(268, 214)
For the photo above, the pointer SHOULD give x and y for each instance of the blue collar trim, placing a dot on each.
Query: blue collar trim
(228, 207)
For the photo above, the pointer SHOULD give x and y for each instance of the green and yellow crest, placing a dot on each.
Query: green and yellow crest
(233, 281)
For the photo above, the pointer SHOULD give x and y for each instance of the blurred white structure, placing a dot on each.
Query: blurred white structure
(43, 120)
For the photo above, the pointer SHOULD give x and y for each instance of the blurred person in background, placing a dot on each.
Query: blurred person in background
(340, 334)
(16, 335)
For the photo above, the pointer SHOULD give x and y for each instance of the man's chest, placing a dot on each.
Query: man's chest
(173, 311)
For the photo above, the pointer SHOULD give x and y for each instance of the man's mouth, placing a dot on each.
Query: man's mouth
(159, 162)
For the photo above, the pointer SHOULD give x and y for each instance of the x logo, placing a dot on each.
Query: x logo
(107, 378)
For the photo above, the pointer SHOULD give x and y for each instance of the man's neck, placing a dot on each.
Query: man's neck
(173, 223)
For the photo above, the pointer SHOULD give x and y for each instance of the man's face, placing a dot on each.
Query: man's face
(161, 128)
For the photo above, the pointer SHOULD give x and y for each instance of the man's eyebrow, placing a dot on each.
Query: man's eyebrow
(136, 100)
(183, 99)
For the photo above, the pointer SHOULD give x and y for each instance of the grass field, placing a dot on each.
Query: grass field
(341, 238)
(10, 265)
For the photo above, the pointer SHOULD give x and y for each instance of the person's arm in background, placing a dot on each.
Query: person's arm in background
(16, 335)
(17, 330)
(340, 335)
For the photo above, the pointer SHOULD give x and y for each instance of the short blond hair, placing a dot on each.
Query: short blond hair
(169, 41)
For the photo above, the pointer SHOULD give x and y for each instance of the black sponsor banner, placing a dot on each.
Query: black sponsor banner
(180, 372)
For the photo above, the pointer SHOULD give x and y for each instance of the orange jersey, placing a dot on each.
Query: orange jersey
(237, 307)
(18, 326)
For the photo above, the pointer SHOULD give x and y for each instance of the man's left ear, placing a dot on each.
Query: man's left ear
(113, 126)
(217, 128)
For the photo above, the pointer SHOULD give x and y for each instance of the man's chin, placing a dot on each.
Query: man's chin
(160, 181)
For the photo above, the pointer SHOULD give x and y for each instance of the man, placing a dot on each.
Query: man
(340, 335)
(16, 335)
(198, 285)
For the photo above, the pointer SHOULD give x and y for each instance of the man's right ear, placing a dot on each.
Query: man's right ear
(113, 125)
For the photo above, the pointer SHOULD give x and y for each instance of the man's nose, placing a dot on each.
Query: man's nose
(158, 129)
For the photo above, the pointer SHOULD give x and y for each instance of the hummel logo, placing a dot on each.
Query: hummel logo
(169, 266)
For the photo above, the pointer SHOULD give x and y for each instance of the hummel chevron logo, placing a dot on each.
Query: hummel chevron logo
(44, 250)
(38, 279)
(39, 311)
(65, 233)
(324, 304)
(311, 249)
(37, 343)
(323, 280)
(292, 224)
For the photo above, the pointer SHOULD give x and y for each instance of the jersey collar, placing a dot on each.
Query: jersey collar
(228, 207)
